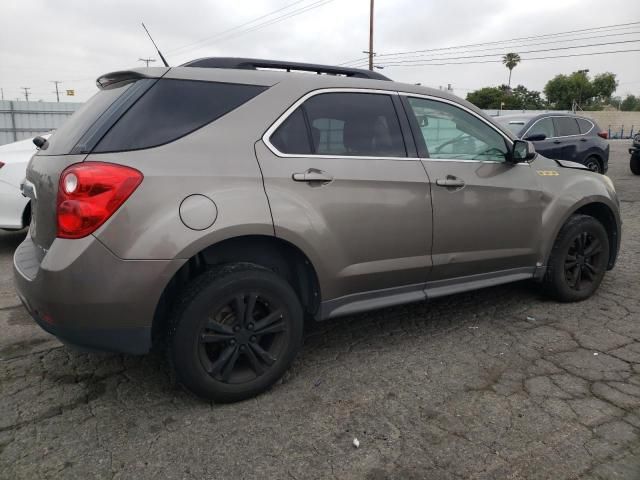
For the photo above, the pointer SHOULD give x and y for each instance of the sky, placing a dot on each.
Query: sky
(75, 41)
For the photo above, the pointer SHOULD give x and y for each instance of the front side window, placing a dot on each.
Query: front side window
(543, 126)
(566, 126)
(342, 124)
(453, 134)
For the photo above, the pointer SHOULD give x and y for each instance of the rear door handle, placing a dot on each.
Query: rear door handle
(583, 139)
(557, 142)
(450, 182)
(312, 175)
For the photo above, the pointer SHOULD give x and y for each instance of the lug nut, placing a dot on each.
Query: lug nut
(250, 326)
(253, 338)
(232, 342)
(236, 328)
(242, 348)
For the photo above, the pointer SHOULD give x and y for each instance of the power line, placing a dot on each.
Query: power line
(236, 27)
(605, 27)
(617, 27)
(236, 31)
(502, 53)
(523, 59)
(553, 42)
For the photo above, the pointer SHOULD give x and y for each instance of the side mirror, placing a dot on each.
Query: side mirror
(522, 151)
(536, 137)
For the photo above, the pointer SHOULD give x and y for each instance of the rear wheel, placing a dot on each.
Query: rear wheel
(635, 163)
(578, 260)
(593, 164)
(235, 332)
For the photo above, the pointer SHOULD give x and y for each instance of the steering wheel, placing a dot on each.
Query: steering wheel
(450, 141)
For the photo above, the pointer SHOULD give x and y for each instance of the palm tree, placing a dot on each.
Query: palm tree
(510, 60)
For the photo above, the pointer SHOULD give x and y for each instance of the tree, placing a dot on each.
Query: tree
(510, 60)
(604, 85)
(487, 97)
(517, 99)
(565, 91)
(630, 103)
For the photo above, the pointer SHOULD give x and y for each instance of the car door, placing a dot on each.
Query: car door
(342, 187)
(486, 210)
(567, 137)
(550, 146)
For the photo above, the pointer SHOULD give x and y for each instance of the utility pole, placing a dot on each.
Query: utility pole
(56, 82)
(26, 92)
(147, 60)
(371, 36)
(2, 93)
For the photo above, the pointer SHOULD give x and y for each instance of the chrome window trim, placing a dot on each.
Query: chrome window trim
(282, 118)
(593, 125)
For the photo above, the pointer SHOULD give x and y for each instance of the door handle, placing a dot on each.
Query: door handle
(450, 182)
(557, 142)
(583, 139)
(312, 175)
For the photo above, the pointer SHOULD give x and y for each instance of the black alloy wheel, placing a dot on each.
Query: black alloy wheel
(243, 338)
(582, 261)
(234, 331)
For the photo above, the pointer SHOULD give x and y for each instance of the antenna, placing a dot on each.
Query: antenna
(154, 44)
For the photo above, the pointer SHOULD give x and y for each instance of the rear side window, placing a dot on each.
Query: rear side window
(585, 125)
(292, 136)
(343, 124)
(172, 109)
(566, 126)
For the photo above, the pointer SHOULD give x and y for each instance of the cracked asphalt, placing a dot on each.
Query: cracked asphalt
(495, 384)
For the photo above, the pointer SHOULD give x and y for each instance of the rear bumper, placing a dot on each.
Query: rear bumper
(12, 205)
(82, 293)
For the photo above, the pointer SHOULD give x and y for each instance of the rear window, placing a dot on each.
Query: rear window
(585, 125)
(172, 109)
(566, 126)
(514, 126)
(65, 138)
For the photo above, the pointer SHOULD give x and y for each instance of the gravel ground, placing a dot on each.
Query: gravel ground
(498, 383)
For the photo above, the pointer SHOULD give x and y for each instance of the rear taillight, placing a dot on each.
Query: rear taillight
(603, 134)
(89, 193)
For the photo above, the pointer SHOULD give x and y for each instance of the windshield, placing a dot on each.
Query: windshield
(514, 125)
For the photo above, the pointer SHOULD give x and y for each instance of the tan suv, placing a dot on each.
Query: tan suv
(210, 208)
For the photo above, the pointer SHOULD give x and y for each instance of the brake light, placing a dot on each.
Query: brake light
(89, 193)
(603, 134)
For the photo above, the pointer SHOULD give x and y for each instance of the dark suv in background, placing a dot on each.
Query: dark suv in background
(563, 137)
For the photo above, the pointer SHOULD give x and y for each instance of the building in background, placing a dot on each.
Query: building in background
(20, 120)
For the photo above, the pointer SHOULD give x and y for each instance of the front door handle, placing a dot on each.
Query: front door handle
(312, 175)
(557, 142)
(450, 182)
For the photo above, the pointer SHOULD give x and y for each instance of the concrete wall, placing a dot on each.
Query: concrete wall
(619, 124)
(20, 120)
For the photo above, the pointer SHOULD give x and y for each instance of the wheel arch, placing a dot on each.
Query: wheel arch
(276, 254)
(601, 210)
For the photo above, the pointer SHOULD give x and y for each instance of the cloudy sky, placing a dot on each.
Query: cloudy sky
(74, 41)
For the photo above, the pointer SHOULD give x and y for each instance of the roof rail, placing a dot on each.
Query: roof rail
(256, 63)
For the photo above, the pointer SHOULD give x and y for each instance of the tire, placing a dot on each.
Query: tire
(634, 163)
(582, 246)
(221, 357)
(593, 163)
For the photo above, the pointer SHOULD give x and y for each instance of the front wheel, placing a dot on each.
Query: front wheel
(578, 260)
(235, 331)
(635, 163)
(593, 164)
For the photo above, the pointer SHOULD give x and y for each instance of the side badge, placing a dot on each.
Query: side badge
(548, 173)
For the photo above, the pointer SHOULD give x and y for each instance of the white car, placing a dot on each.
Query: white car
(15, 212)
